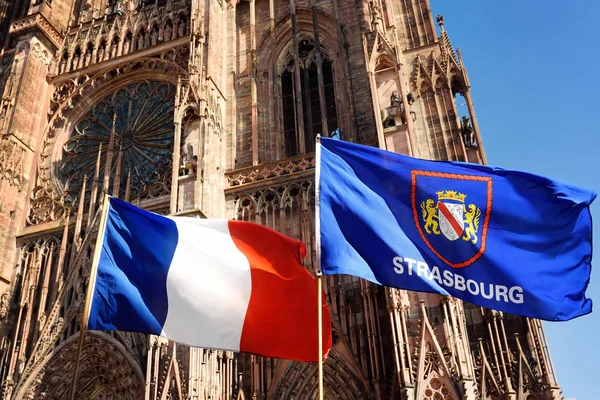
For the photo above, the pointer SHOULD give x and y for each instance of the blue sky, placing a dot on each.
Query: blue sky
(533, 66)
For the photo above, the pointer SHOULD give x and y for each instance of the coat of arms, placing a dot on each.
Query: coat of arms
(451, 214)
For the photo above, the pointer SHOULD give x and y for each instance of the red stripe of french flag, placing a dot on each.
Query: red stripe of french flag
(281, 320)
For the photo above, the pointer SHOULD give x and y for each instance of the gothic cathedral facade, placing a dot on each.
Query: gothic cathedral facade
(210, 108)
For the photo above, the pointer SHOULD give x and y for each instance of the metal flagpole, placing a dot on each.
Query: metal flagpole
(90, 290)
(318, 254)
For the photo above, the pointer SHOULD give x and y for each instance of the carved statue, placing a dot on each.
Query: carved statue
(82, 15)
(3, 112)
(395, 100)
(101, 54)
(22, 365)
(88, 58)
(467, 132)
(140, 40)
(154, 36)
(189, 161)
(4, 302)
(11, 80)
(62, 66)
(75, 62)
(167, 33)
(387, 117)
(181, 29)
(42, 320)
(9, 386)
(126, 44)
(113, 48)
(375, 12)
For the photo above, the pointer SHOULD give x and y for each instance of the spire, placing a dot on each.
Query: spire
(94, 194)
(62, 255)
(79, 221)
(128, 186)
(109, 155)
(117, 181)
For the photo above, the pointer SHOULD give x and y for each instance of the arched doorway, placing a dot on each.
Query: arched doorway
(106, 371)
(340, 381)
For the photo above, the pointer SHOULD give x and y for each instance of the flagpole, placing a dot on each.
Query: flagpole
(318, 261)
(90, 290)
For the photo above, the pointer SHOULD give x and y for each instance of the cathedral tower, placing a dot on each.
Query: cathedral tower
(210, 109)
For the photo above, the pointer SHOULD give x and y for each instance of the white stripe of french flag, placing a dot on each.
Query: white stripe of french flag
(220, 284)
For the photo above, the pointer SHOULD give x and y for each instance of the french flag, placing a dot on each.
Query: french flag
(209, 283)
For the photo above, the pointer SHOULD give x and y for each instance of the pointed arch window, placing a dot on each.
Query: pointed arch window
(305, 97)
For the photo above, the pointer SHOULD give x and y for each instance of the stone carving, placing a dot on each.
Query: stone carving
(4, 302)
(9, 386)
(62, 66)
(75, 61)
(104, 371)
(395, 100)
(141, 40)
(468, 133)
(181, 28)
(397, 105)
(100, 56)
(88, 57)
(41, 54)
(11, 163)
(445, 67)
(42, 23)
(154, 36)
(376, 12)
(189, 161)
(145, 21)
(114, 47)
(127, 44)
(267, 171)
(345, 381)
(59, 319)
(168, 31)
(8, 90)
(47, 202)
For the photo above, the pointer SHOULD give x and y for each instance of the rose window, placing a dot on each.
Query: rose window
(143, 143)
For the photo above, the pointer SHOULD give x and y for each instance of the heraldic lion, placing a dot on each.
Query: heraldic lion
(429, 213)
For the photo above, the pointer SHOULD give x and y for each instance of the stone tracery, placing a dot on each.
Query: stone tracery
(104, 369)
(131, 30)
(47, 203)
(143, 139)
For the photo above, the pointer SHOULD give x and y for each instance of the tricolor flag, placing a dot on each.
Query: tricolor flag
(501, 239)
(220, 284)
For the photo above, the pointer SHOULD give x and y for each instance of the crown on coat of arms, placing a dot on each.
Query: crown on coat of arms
(451, 195)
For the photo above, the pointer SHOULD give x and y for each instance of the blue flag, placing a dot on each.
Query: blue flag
(505, 240)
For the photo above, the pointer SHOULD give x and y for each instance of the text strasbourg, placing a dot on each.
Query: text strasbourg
(447, 278)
